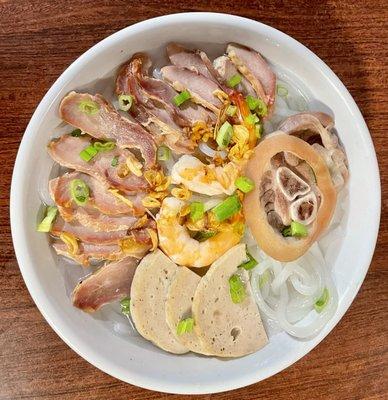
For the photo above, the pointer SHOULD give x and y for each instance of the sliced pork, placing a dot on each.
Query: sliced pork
(226, 69)
(316, 128)
(110, 283)
(66, 152)
(196, 61)
(102, 121)
(151, 92)
(87, 234)
(202, 89)
(255, 69)
(100, 198)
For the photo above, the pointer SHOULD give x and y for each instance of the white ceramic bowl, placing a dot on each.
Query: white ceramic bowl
(132, 359)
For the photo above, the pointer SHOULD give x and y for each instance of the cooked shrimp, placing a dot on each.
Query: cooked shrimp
(205, 179)
(175, 241)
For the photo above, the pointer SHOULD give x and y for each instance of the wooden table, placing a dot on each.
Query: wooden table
(38, 40)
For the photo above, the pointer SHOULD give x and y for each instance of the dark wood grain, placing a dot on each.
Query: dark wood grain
(38, 40)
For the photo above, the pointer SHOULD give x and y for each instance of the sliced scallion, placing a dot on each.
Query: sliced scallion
(45, 225)
(244, 183)
(180, 98)
(104, 146)
(185, 326)
(259, 130)
(164, 153)
(231, 110)
(224, 134)
(236, 289)
(126, 306)
(230, 206)
(197, 211)
(295, 229)
(125, 102)
(79, 191)
(281, 90)
(321, 303)
(252, 102)
(251, 263)
(234, 80)
(88, 153)
(115, 161)
(201, 236)
(264, 278)
(89, 107)
(76, 133)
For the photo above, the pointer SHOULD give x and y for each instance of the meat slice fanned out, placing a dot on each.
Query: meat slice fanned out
(196, 61)
(226, 69)
(109, 283)
(255, 69)
(202, 89)
(154, 106)
(88, 252)
(104, 122)
(102, 211)
(66, 152)
(152, 92)
(86, 234)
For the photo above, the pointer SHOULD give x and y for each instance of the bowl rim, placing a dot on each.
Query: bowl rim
(20, 244)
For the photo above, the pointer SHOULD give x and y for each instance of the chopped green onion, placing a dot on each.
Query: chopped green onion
(231, 110)
(252, 102)
(185, 326)
(224, 134)
(236, 289)
(79, 191)
(201, 236)
(180, 98)
(164, 153)
(89, 107)
(250, 119)
(234, 80)
(197, 211)
(321, 303)
(251, 263)
(261, 110)
(76, 133)
(298, 229)
(88, 153)
(286, 231)
(244, 184)
(281, 90)
(259, 129)
(295, 229)
(45, 225)
(104, 146)
(115, 161)
(125, 102)
(227, 208)
(264, 278)
(126, 306)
